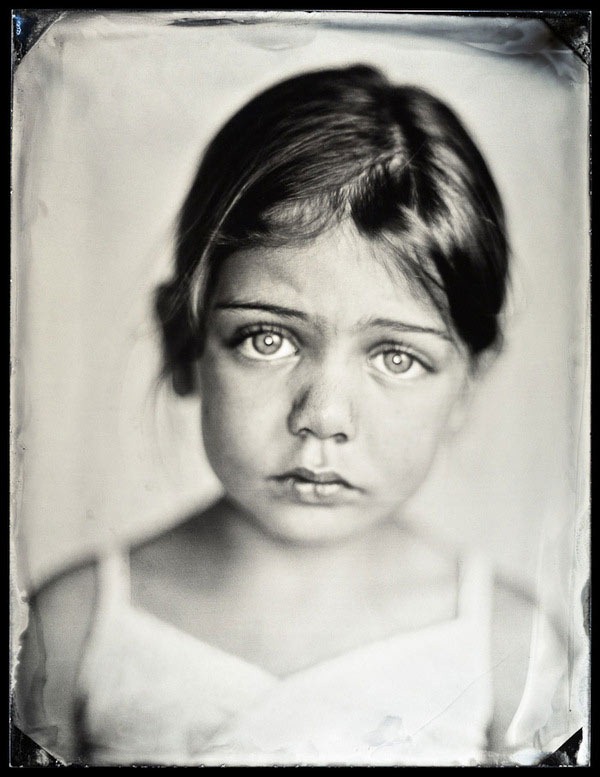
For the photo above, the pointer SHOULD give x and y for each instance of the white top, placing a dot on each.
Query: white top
(155, 694)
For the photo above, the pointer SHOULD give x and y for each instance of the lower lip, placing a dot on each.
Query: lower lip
(305, 492)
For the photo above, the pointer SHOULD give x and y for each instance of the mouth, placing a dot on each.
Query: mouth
(308, 487)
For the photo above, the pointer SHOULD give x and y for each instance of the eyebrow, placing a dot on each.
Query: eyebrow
(364, 323)
(401, 326)
(276, 309)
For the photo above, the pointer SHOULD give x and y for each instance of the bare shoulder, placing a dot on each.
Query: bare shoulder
(60, 615)
(184, 557)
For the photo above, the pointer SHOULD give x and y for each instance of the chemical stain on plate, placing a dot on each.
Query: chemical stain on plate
(274, 35)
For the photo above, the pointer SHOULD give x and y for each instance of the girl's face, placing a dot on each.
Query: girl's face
(327, 384)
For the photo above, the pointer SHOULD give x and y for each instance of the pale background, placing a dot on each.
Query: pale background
(111, 111)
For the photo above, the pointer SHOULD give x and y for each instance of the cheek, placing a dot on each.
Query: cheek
(239, 416)
(406, 428)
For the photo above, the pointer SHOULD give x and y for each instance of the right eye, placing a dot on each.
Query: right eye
(266, 345)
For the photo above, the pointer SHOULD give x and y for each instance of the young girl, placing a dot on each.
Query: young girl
(341, 270)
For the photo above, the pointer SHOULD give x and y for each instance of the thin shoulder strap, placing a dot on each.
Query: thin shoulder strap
(475, 588)
(112, 597)
(113, 579)
(475, 619)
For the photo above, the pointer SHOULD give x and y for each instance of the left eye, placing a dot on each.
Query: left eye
(266, 346)
(398, 363)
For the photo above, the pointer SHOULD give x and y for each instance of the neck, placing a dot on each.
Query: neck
(244, 544)
(374, 571)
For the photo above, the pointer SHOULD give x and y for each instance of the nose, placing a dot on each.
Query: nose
(323, 407)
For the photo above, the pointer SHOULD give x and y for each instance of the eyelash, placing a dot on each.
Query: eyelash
(265, 328)
(257, 329)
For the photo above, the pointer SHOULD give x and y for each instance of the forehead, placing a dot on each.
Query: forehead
(340, 276)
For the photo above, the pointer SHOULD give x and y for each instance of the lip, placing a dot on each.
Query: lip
(309, 476)
(305, 486)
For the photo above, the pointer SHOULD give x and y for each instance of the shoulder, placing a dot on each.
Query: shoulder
(187, 555)
(515, 615)
(60, 615)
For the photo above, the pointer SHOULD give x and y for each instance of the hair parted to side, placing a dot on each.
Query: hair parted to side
(340, 144)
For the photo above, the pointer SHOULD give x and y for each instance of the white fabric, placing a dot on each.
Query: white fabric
(155, 694)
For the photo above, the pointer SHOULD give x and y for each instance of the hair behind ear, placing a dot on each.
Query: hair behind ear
(484, 361)
(177, 345)
(183, 379)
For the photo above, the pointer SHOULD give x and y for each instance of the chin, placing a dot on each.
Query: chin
(311, 526)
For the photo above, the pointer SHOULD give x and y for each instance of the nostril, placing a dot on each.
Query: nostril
(340, 437)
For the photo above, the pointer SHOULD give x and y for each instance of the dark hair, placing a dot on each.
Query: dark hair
(334, 144)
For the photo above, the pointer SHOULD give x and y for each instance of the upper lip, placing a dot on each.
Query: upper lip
(315, 477)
